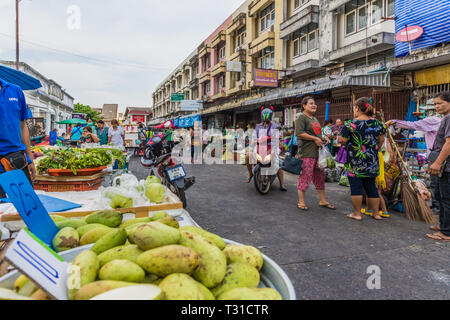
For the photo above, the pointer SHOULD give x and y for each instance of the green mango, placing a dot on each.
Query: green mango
(85, 229)
(169, 259)
(93, 289)
(122, 270)
(179, 286)
(127, 252)
(88, 265)
(254, 294)
(108, 218)
(57, 218)
(134, 221)
(119, 201)
(212, 263)
(153, 235)
(169, 221)
(70, 223)
(215, 239)
(114, 238)
(66, 239)
(238, 275)
(245, 254)
(94, 235)
(159, 215)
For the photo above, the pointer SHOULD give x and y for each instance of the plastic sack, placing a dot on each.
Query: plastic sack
(322, 163)
(126, 181)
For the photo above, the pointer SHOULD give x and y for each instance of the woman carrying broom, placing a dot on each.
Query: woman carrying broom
(364, 136)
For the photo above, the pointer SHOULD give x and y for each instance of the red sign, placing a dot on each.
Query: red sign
(138, 118)
(409, 34)
(266, 78)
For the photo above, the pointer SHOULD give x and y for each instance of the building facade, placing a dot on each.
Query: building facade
(275, 52)
(50, 102)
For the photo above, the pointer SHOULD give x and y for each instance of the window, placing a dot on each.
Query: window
(298, 3)
(241, 37)
(296, 47)
(363, 17)
(377, 11)
(312, 41)
(222, 51)
(390, 8)
(208, 87)
(221, 82)
(267, 58)
(267, 17)
(350, 23)
(304, 45)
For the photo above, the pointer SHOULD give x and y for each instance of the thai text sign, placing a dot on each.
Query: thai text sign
(266, 78)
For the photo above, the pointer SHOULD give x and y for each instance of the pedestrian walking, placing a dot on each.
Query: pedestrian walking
(364, 136)
(440, 167)
(309, 137)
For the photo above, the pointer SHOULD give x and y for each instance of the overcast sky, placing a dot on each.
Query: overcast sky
(122, 49)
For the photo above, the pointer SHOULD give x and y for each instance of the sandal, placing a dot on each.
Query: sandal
(302, 207)
(366, 212)
(435, 228)
(249, 179)
(351, 216)
(437, 236)
(327, 206)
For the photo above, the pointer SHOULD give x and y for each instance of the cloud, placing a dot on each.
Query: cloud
(122, 50)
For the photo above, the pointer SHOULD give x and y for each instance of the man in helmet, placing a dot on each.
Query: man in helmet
(266, 130)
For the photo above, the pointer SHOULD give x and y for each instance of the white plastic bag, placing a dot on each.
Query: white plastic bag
(323, 155)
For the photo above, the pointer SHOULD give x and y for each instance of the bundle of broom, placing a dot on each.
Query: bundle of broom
(416, 208)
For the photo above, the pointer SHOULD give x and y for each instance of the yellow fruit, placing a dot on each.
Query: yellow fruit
(122, 270)
(159, 215)
(6, 294)
(41, 295)
(169, 221)
(245, 254)
(85, 229)
(134, 221)
(88, 265)
(70, 223)
(153, 235)
(108, 218)
(20, 282)
(238, 275)
(256, 294)
(179, 286)
(169, 259)
(126, 252)
(215, 239)
(66, 239)
(28, 289)
(212, 263)
(114, 238)
(94, 235)
(98, 287)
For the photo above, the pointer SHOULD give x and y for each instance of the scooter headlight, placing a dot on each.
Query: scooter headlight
(267, 159)
(259, 158)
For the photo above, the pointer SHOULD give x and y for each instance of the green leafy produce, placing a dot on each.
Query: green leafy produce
(331, 164)
(155, 192)
(76, 159)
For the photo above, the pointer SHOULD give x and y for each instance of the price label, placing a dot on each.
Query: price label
(21, 194)
(39, 263)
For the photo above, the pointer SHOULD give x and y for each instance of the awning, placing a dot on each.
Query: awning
(24, 81)
(367, 80)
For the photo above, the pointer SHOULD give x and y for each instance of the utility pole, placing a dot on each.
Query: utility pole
(17, 34)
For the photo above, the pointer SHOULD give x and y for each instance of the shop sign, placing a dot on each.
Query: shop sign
(191, 105)
(81, 116)
(234, 66)
(176, 97)
(409, 34)
(266, 78)
(136, 118)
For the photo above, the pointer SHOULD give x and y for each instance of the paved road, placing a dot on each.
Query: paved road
(325, 254)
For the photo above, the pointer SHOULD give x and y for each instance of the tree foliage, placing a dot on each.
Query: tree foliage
(81, 108)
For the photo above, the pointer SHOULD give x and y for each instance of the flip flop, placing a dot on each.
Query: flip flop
(327, 206)
(303, 208)
(437, 237)
(350, 216)
(435, 228)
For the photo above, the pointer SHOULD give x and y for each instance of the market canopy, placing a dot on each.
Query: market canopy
(18, 78)
(73, 121)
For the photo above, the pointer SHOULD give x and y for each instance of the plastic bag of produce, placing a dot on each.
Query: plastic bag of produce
(127, 181)
(323, 155)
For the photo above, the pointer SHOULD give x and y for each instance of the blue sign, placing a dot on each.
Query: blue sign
(21, 194)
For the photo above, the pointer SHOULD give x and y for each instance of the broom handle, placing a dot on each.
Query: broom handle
(405, 167)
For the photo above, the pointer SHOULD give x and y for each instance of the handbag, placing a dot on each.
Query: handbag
(293, 165)
(342, 155)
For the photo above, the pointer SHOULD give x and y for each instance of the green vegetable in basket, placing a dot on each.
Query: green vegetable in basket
(121, 202)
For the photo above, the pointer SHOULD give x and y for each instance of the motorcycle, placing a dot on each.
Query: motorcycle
(157, 157)
(263, 156)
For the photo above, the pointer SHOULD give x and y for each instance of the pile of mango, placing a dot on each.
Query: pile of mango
(185, 263)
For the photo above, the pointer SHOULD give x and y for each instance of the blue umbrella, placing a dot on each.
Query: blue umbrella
(24, 81)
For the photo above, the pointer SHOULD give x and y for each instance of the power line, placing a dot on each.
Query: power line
(102, 60)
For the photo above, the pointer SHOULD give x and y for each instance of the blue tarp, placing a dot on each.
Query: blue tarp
(24, 81)
(432, 15)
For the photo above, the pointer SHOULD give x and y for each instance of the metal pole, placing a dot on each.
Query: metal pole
(17, 34)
